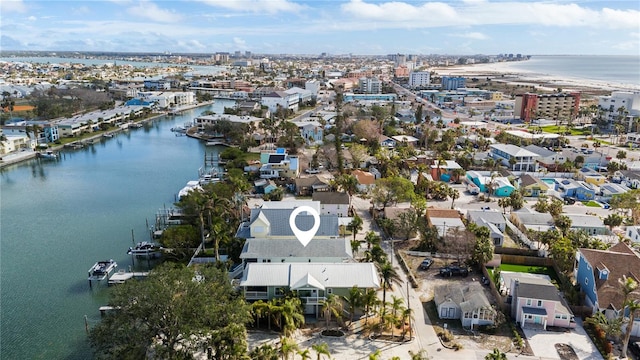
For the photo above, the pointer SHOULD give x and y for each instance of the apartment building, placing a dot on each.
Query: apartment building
(370, 85)
(620, 101)
(561, 105)
(419, 79)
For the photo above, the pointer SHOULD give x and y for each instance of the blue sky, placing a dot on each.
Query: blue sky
(333, 26)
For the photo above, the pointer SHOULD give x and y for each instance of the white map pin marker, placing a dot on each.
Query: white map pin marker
(304, 236)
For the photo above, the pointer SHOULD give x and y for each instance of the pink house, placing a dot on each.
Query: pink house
(537, 301)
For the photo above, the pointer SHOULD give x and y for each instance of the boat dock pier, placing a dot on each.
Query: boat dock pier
(122, 276)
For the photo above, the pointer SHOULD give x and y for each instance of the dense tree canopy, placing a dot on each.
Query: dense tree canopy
(172, 314)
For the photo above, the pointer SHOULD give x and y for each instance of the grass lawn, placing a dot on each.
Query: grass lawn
(252, 156)
(561, 129)
(592, 203)
(531, 269)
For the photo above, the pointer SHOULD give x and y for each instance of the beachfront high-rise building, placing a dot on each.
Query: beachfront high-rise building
(555, 106)
(453, 82)
(620, 104)
(419, 79)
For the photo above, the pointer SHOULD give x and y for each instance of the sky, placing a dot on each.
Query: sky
(359, 27)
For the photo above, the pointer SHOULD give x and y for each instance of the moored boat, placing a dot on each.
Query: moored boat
(101, 269)
(145, 248)
(49, 155)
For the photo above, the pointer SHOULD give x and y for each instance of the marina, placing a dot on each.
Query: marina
(61, 216)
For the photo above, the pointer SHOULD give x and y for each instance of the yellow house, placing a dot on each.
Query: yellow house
(590, 176)
(532, 187)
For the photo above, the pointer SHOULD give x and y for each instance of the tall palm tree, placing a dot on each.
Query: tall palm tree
(369, 301)
(321, 349)
(631, 304)
(355, 225)
(347, 183)
(353, 300)
(291, 314)
(453, 194)
(331, 305)
(389, 275)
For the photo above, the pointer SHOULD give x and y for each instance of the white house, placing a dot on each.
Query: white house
(525, 160)
(280, 99)
(332, 203)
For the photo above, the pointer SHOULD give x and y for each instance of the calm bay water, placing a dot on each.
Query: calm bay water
(58, 218)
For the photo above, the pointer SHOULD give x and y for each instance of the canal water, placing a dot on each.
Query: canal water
(57, 218)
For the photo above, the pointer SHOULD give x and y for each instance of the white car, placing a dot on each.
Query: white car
(312, 171)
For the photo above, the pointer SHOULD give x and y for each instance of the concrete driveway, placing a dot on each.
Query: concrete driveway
(543, 343)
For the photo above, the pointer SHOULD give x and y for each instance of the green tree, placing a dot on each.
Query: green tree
(407, 223)
(483, 248)
(504, 203)
(392, 190)
(563, 223)
(453, 194)
(369, 301)
(621, 155)
(288, 346)
(321, 349)
(291, 315)
(389, 275)
(555, 207)
(355, 225)
(264, 352)
(496, 355)
(355, 246)
(158, 314)
(305, 354)
(371, 238)
(612, 221)
(347, 183)
(332, 305)
(516, 201)
(542, 205)
(353, 301)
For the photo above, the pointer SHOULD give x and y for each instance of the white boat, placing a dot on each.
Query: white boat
(145, 248)
(49, 155)
(102, 269)
(191, 185)
(107, 135)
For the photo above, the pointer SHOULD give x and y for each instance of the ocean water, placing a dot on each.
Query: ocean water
(58, 218)
(610, 69)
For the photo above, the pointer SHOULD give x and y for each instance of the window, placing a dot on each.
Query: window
(279, 291)
(539, 303)
(329, 291)
(528, 302)
(558, 316)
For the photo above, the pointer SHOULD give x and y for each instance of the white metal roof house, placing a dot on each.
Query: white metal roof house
(312, 282)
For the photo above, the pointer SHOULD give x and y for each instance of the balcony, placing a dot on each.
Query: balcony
(256, 295)
(312, 300)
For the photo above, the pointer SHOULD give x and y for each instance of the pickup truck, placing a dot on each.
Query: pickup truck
(454, 270)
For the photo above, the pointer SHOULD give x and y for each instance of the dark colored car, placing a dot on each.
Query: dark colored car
(635, 349)
(454, 270)
(426, 264)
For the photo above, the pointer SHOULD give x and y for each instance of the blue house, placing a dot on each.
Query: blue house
(312, 132)
(598, 273)
(576, 189)
(501, 185)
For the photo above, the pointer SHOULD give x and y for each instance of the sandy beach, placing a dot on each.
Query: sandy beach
(510, 73)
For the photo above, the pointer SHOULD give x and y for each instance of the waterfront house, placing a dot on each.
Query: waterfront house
(261, 250)
(278, 165)
(271, 221)
(532, 187)
(280, 99)
(538, 301)
(598, 272)
(467, 303)
(311, 282)
(523, 160)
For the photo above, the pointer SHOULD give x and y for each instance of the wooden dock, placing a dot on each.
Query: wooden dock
(122, 276)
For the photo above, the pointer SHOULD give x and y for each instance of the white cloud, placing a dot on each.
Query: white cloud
(239, 43)
(8, 6)
(32, 18)
(151, 11)
(257, 6)
(472, 35)
(394, 14)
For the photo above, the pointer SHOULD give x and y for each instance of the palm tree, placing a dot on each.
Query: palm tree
(454, 194)
(407, 315)
(629, 287)
(349, 184)
(321, 349)
(353, 300)
(504, 203)
(288, 346)
(371, 239)
(369, 301)
(305, 355)
(260, 309)
(496, 355)
(389, 275)
(355, 225)
(375, 355)
(331, 305)
(355, 246)
(291, 314)
(397, 305)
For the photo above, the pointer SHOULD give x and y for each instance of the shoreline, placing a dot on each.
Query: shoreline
(506, 72)
(20, 156)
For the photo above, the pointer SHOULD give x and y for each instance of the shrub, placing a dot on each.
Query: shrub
(457, 346)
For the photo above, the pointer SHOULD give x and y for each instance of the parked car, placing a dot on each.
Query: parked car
(426, 264)
(312, 171)
(635, 348)
(454, 270)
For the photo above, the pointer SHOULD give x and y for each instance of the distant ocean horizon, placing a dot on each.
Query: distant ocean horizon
(614, 69)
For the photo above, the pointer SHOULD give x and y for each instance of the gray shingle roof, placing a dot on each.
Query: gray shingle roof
(339, 248)
(279, 221)
(491, 216)
(326, 197)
